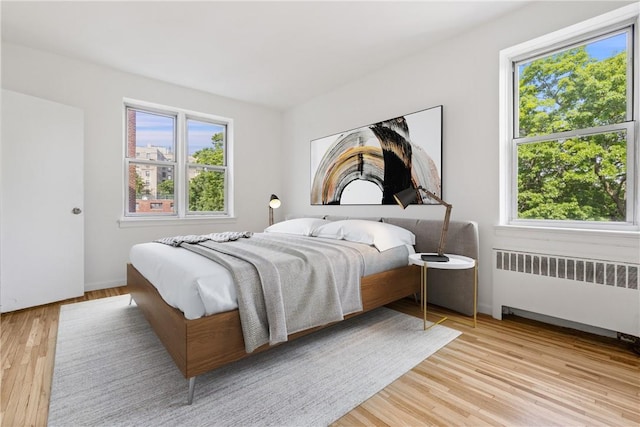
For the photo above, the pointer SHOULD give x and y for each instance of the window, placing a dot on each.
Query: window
(570, 131)
(184, 159)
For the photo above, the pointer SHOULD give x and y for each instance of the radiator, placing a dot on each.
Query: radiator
(592, 292)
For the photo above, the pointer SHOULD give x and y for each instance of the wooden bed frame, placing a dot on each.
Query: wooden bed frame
(201, 345)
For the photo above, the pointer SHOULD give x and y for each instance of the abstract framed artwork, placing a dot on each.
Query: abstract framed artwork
(368, 165)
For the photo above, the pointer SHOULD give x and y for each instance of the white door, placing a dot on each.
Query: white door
(41, 218)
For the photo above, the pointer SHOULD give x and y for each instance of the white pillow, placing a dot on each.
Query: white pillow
(299, 226)
(381, 235)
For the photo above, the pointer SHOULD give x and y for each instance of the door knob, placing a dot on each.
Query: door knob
(76, 211)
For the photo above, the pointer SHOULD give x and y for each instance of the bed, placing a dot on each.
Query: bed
(200, 344)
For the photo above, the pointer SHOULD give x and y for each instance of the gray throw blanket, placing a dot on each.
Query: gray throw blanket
(286, 284)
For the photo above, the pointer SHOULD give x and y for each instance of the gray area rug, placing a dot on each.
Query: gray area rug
(111, 369)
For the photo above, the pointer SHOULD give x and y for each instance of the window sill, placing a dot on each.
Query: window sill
(132, 222)
(567, 231)
(615, 245)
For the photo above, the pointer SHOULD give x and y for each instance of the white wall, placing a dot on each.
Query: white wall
(99, 91)
(462, 75)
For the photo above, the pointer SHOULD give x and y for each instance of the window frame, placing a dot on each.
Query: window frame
(180, 165)
(587, 31)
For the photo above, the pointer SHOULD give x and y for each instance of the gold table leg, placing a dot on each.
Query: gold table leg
(423, 299)
(475, 293)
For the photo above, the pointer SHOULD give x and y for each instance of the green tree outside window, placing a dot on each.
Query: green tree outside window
(206, 189)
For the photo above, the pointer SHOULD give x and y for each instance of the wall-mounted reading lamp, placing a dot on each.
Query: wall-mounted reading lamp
(274, 203)
(410, 195)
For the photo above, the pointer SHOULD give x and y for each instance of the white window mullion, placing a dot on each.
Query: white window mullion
(633, 179)
(577, 133)
(228, 152)
(515, 73)
(182, 181)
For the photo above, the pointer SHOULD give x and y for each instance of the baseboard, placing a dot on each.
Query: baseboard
(104, 285)
(560, 322)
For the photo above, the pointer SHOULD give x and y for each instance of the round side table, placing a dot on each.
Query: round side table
(456, 262)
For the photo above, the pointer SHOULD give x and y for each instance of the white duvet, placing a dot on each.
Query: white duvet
(206, 287)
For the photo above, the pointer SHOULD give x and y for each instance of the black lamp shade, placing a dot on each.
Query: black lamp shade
(406, 197)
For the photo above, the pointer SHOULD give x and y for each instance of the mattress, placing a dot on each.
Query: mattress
(200, 287)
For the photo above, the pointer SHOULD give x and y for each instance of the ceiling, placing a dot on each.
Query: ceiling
(274, 53)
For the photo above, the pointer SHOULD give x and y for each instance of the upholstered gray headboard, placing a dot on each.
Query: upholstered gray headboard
(452, 289)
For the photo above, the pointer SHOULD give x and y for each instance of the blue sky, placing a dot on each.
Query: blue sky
(601, 49)
(157, 131)
(608, 47)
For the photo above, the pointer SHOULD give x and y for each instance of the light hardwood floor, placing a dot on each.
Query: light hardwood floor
(510, 372)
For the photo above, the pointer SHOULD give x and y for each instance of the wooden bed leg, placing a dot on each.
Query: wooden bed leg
(192, 388)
